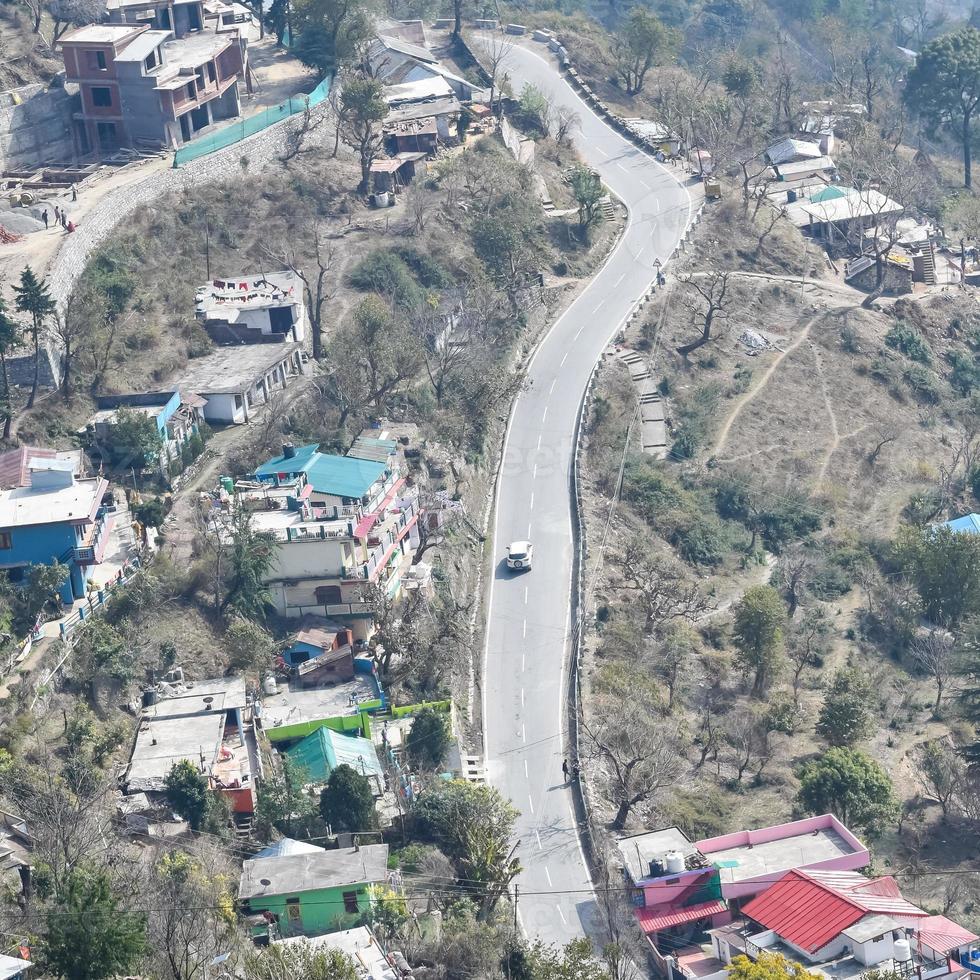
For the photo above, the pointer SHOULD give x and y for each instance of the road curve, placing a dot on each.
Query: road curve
(528, 615)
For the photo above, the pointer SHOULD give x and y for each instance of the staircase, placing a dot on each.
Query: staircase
(653, 424)
(929, 265)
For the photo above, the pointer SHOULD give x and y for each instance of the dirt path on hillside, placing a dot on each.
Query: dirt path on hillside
(745, 399)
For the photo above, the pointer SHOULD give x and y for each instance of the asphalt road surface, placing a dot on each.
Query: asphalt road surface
(529, 613)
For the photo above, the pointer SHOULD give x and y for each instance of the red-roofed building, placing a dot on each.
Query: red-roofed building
(843, 925)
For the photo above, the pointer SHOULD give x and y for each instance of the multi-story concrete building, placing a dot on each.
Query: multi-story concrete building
(158, 80)
(343, 525)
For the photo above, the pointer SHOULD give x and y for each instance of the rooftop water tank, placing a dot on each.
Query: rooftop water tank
(269, 684)
(903, 950)
(674, 862)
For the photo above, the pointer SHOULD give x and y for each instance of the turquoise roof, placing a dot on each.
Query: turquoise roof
(323, 750)
(344, 476)
(829, 194)
(339, 476)
(969, 524)
(296, 463)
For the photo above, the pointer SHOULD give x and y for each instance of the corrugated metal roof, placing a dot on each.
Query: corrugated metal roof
(296, 463)
(339, 476)
(943, 935)
(804, 912)
(810, 908)
(652, 921)
(285, 847)
(969, 523)
(323, 750)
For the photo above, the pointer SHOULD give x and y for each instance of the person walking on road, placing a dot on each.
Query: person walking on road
(74, 193)
(44, 218)
(57, 215)
(564, 769)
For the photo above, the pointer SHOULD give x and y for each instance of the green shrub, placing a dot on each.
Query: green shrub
(386, 272)
(965, 374)
(923, 383)
(649, 488)
(705, 812)
(910, 342)
(429, 273)
(702, 540)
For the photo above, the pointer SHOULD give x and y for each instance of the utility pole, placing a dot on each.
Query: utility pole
(207, 243)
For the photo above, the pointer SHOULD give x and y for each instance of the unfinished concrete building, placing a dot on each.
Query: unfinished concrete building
(157, 80)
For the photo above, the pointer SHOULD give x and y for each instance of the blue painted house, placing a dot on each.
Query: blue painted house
(56, 516)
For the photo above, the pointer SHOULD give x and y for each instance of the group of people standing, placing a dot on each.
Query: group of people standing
(60, 214)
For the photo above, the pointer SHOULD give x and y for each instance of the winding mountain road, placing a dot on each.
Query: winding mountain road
(528, 619)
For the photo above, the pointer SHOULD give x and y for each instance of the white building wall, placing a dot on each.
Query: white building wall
(303, 559)
(871, 952)
(223, 408)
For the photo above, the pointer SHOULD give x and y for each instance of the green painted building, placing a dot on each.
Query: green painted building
(315, 892)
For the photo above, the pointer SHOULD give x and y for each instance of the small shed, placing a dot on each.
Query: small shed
(390, 174)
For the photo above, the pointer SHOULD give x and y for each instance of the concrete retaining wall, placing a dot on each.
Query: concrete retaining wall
(35, 127)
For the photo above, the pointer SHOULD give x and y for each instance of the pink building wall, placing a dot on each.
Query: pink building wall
(661, 892)
(858, 857)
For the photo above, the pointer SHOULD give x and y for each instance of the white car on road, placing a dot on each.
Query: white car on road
(519, 555)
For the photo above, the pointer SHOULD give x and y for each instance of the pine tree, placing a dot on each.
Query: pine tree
(34, 298)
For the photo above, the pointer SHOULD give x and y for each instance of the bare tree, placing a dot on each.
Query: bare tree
(566, 121)
(73, 328)
(67, 810)
(712, 288)
(884, 434)
(185, 927)
(497, 51)
(317, 287)
(941, 772)
(296, 135)
(640, 755)
(748, 742)
(36, 9)
(421, 206)
(793, 572)
(73, 13)
(806, 643)
(659, 588)
(672, 661)
(890, 186)
(932, 652)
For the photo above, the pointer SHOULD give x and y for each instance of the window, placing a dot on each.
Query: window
(328, 595)
(211, 74)
(96, 60)
(151, 62)
(292, 911)
(669, 881)
(5, 544)
(101, 96)
(191, 91)
(350, 903)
